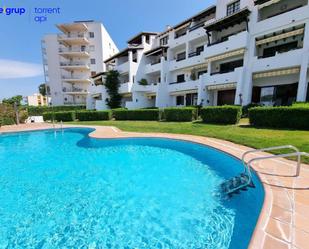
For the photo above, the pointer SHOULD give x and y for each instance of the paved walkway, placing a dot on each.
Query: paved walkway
(284, 220)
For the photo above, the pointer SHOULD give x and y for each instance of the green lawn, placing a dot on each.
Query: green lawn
(240, 134)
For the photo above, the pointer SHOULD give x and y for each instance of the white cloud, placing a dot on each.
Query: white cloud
(10, 69)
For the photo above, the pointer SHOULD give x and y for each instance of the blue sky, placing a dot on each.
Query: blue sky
(20, 50)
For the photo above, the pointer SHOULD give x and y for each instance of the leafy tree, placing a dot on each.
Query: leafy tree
(43, 88)
(112, 84)
(15, 99)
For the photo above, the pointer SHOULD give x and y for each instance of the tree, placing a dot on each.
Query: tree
(15, 99)
(112, 84)
(43, 89)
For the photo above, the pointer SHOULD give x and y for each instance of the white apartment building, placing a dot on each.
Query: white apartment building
(72, 57)
(235, 52)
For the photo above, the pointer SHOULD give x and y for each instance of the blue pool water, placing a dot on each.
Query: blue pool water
(65, 190)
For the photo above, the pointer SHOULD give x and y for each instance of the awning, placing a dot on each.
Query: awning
(226, 55)
(229, 21)
(221, 86)
(268, 3)
(175, 93)
(157, 50)
(96, 95)
(274, 73)
(281, 36)
(197, 67)
(150, 94)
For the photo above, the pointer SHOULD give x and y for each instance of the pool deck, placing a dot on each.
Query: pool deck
(284, 219)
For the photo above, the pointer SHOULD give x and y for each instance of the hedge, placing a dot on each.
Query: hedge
(39, 110)
(221, 114)
(59, 116)
(140, 114)
(280, 117)
(93, 115)
(177, 114)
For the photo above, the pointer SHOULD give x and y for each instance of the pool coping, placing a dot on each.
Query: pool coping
(284, 218)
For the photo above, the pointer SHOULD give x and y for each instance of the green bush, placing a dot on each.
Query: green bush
(39, 110)
(280, 117)
(93, 115)
(245, 109)
(221, 114)
(180, 114)
(59, 116)
(140, 114)
(48, 116)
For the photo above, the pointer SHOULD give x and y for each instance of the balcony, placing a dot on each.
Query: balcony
(294, 16)
(155, 66)
(69, 52)
(183, 86)
(231, 43)
(124, 67)
(151, 88)
(76, 80)
(193, 60)
(221, 78)
(74, 91)
(125, 88)
(280, 60)
(70, 66)
(73, 39)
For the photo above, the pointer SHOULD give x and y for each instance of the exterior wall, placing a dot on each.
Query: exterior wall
(239, 37)
(69, 86)
(37, 100)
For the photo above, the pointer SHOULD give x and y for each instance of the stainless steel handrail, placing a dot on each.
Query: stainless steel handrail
(298, 154)
(248, 168)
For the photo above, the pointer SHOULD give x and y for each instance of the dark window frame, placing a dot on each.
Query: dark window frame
(233, 8)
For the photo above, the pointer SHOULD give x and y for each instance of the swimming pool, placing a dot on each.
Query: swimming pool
(66, 190)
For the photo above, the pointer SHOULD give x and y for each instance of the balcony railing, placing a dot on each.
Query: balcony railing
(74, 90)
(180, 34)
(224, 39)
(196, 26)
(65, 50)
(154, 62)
(181, 57)
(277, 53)
(69, 36)
(177, 82)
(64, 64)
(196, 53)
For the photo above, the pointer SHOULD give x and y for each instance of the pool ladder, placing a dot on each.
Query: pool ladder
(244, 181)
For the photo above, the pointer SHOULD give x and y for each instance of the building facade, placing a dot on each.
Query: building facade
(37, 100)
(72, 57)
(235, 52)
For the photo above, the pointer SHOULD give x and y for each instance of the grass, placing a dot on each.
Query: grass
(240, 134)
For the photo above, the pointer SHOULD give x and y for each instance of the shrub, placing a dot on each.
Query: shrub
(59, 116)
(140, 114)
(39, 110)
(221, 114)
(93, 115)
(48, 116)
(280, 117)
(7, 114)
(180, 114)
(246, 108)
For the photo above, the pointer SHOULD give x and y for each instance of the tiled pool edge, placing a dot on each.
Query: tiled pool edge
(284, 219)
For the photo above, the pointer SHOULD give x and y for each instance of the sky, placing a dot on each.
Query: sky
(21, 70)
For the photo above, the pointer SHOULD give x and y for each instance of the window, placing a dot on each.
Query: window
(92, 61)
(164, 41)
(233, 8)
(180, 100)
(181, 56)
(180, 78)
(91, 34)
(199, 50)
(91, 48)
